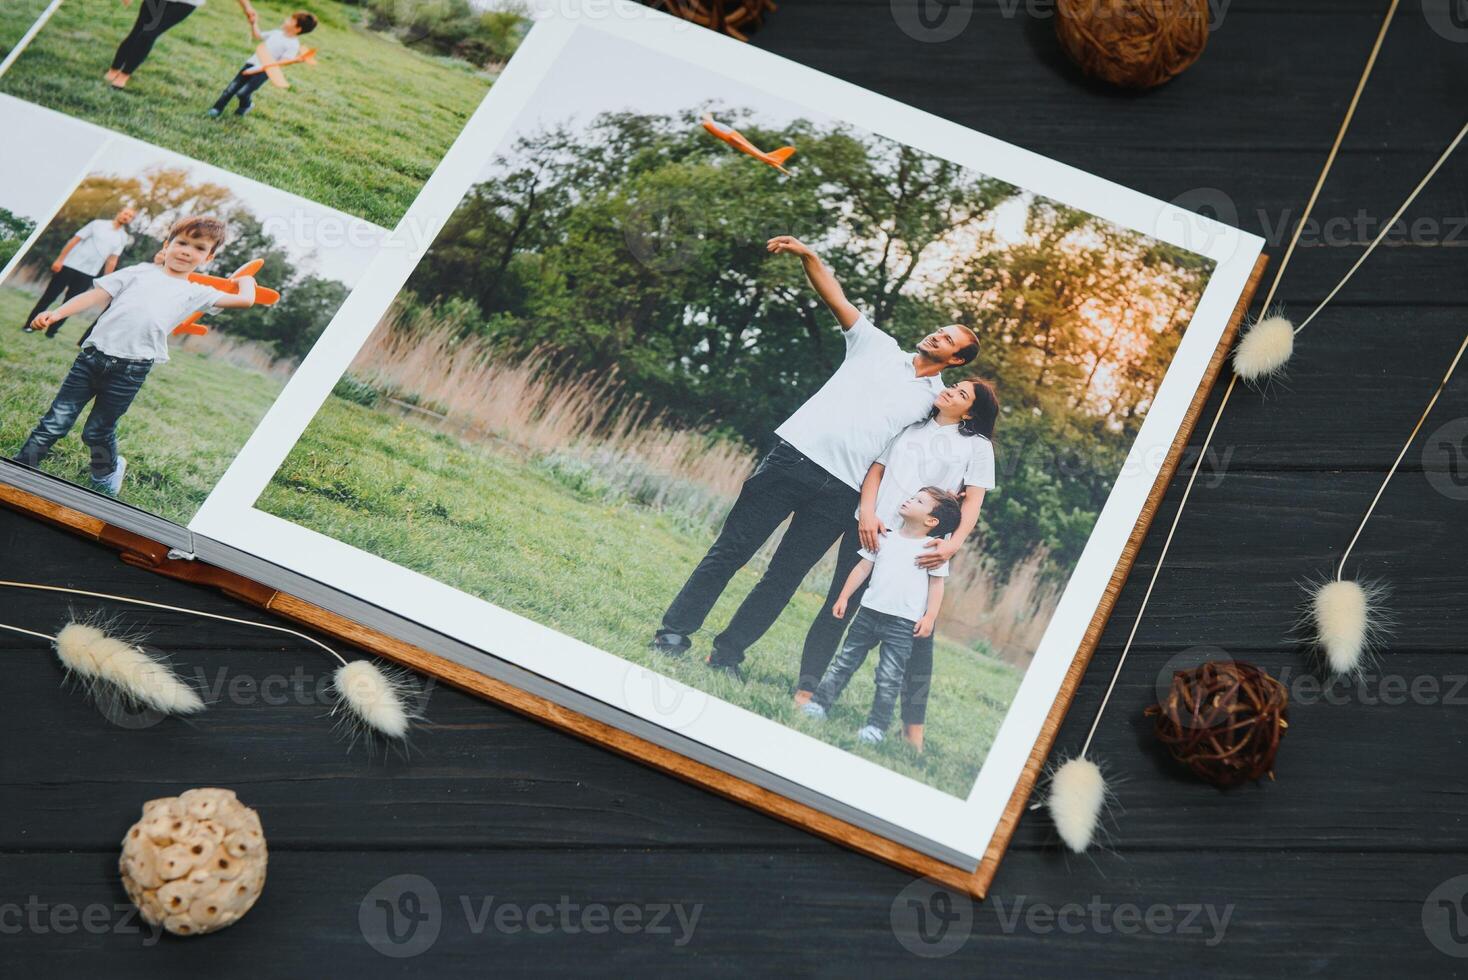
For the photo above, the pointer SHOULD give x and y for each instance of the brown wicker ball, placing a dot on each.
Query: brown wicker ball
(1223, 720)
(736, 18)
(1132, 43)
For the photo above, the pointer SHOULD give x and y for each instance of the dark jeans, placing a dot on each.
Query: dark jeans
(154, 18)
(868, 629)
(113, 382)
(785, 483)
(243, 87)
(68, 283)
(823, 638)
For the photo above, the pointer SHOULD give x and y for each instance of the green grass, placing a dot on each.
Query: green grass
(188, 422)
(16, 16)
(506, 528)
(360, 132)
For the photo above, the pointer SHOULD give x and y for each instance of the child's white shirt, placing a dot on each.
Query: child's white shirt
(279, 45)
(927, 454)
(147, 303)
(898, 586)
(97, 241)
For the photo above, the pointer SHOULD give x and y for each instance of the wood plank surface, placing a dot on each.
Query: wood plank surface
(1331, 869)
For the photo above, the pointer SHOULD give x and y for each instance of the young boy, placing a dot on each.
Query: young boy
(280, 45)
(146, 302)
(900, 604)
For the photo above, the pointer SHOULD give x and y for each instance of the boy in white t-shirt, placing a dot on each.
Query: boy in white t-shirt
(280, 45)
(144, 303)
(900, 605)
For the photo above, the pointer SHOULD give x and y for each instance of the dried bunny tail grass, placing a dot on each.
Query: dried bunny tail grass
(109, 666)
(1265, 349)
(1346, 622)
(1078, 794)
(372, 700)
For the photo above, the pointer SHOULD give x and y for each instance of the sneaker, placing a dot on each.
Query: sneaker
(870, 735)
(812, 710)
(802, 698)
(111, 484)
(670, 644)
(213, 113)
(728, 670)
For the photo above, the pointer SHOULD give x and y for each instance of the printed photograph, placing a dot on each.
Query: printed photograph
(802, 417)
(349, 104)
(156, 317)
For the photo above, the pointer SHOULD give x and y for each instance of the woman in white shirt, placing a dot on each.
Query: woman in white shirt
(952, 449)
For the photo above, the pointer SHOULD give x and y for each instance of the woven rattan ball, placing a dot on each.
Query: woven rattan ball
(1132, 43)
(1223, 720)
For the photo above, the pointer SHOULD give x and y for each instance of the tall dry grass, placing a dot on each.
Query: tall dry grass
(239, 352)
(422, 359)
(1007, 615)
(594, 436)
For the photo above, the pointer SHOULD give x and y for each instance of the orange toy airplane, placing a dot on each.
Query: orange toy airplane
(272, 69)
(264, 295)
(733, 137)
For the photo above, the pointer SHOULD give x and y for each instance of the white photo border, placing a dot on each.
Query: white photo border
(958, 825)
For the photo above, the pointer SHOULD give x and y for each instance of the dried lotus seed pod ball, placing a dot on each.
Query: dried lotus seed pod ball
(194, 863)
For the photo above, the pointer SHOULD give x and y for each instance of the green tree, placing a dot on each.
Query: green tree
(14, 230)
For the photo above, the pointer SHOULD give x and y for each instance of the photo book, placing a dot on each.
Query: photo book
(769, 431)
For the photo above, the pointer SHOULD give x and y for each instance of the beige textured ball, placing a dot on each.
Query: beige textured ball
(194, 863)
(1132, 43)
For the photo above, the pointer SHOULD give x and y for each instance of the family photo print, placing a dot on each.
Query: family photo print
(802, 417)
(155, 316)
(348, 104)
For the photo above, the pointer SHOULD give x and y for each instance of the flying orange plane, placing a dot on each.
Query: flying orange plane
(272, 69)
(264, 295)
(735, 139)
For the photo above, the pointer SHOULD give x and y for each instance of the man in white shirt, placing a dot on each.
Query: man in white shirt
(814, 473)
(92, 251)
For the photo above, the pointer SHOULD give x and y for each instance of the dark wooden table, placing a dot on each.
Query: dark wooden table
(1328, 870)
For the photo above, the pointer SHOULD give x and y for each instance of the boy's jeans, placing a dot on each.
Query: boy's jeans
(114, 383)
(242, 86)
(823, 639)
(868, 629)
(785, 483)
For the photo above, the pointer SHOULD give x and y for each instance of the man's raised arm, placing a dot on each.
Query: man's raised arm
(821, 280)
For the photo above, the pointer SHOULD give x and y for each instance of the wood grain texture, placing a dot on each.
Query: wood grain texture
(1328, 868)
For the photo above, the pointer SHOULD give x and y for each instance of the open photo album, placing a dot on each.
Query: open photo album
(777, 433)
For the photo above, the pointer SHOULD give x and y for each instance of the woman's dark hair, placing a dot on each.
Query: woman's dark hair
(983, 413)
